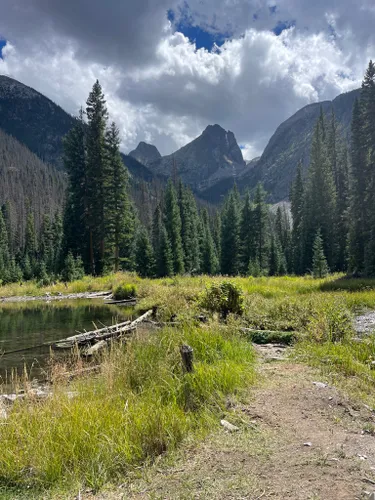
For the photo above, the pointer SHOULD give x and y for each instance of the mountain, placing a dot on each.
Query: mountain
(34, 120)
(208, 159)
(291, 143)
(27, 183)
(145, 153)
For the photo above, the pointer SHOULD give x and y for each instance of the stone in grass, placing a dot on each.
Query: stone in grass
(307, 444)
(320, 385)
(372, 496)
(228, 426)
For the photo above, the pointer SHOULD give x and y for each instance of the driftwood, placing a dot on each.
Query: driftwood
(130, 302)
(107, 332)
(94, 349)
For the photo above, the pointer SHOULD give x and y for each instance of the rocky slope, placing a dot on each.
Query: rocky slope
(145, 153)
(291, 143)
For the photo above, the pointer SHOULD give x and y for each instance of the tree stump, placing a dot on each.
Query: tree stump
(187, 358)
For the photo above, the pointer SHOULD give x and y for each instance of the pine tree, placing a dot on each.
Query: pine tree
(144, 258)
(368, 131)
(320, 206)
(357, 190)
(172, 221)
(210, 261)
(96, 112)
(320, 266)
(342, 209)
(247, 242)
(57, 239)
(189, 228)
(30, 250)
(46, 247)
(284, 237)
(76, 207)
(297, 198)
(274, 258)
(261, 228)
(117, 211)
(230, 237)
(165, 257)
(4, 251)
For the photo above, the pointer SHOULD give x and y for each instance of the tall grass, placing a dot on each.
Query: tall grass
(140, 405)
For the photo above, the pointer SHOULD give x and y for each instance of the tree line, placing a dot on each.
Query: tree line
(330, 226)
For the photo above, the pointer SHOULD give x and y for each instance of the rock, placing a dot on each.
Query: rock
(320, 385)
(307, 444)
(228, 426)
(362, 457)
(372, 496)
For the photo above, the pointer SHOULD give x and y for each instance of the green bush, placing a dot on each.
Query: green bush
(125, 292)
(223, 298)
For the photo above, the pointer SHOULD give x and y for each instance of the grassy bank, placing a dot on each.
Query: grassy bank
(141, 404)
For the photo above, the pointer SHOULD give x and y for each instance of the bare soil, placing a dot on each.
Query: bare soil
(296, 440)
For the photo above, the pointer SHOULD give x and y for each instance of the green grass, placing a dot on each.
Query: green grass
(141, 405)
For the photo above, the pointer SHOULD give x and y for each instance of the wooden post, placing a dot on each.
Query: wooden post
(187, 358)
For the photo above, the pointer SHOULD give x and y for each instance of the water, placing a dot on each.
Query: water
(25, 325)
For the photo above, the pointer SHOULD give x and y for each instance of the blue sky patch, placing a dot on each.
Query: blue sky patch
(282, 25)
(201, 37)
(2, 45)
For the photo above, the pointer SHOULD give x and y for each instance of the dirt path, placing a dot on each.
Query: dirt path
(297, 440)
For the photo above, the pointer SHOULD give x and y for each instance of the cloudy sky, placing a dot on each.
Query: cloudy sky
(171, 67)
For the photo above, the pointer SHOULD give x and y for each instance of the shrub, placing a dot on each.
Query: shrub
(331, 323)
(125, 292)
(223, 298)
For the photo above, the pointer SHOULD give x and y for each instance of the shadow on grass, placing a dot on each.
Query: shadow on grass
(348, 284)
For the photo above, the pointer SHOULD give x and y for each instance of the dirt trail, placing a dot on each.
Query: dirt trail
(297, 440)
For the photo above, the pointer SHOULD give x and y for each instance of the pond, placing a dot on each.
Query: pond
(24, 327)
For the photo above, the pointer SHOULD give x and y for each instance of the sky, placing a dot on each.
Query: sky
(169, 68)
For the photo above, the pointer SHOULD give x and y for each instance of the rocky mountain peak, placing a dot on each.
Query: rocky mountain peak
(145, 153)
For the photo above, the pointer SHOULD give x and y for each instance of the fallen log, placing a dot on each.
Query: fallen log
(94, 349)
(101, 334)
(125, 301)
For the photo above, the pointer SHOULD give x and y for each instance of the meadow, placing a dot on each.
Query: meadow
(142, 404)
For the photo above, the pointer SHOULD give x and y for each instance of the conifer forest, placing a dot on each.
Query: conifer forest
(330, 226)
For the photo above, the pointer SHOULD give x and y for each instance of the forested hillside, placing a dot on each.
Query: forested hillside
(27, 185)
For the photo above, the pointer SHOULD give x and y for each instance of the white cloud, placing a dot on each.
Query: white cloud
(161, 89)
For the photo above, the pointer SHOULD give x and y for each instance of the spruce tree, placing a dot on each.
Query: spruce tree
(30, 250)
(165, 259)
(96, 112)
(4, 251)
(357, 190)
(144, 258)
(189, 228)
(117, 211)
(172, 221)
(46, 247)
(261, 228)
(76, 238)
(297, 199)
(247, 241)
(230, 237)
(320, 266)
(274, 258)
(210, 261)
(320, 206)
(57, 238)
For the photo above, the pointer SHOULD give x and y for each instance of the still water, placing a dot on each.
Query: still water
(28, 325)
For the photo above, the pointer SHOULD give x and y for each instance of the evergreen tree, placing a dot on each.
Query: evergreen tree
(117, 211)
(358, 188)
(261, 228)
(210, 261)
(368, 132)
(30, 250)
(172, 221)
(230, 238)
(297, 208)
(320, 266)
(96, 112)
(73, 268)
(284, 236)
(76, 207)
(189, 228)
(144, 258)
(57, 239)
(274, 258)
(46, 247)
(164, 261)
(4, 251)
(342, 209)
(320, 206)
(247, 242)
